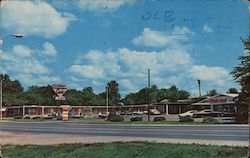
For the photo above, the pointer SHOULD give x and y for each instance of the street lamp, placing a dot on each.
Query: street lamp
(17, 35)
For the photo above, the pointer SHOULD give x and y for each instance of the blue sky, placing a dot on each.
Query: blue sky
(88, 43)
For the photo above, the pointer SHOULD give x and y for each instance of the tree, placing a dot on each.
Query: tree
(40, 95)
(213, 92)
(12, 91)
(89, 97)
(10, 86)
(114, 95)
(140, 97)
(232, 90)
(241, 74)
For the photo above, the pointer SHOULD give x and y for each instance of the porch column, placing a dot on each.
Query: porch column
(212, 106)
(23, 111)
(166, 108)
(179, 109)
(42, 111)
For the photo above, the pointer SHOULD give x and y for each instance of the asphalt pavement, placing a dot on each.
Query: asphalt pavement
(187, 132)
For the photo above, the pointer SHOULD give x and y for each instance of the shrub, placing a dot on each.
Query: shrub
(116, 118)
(136, 119)
(48, 118)
(160, 118)
(102, 116)
(209, 119)
(18, 117)
(59, 118)
(111, 115)
(26, 117)
(186, 119)
(36, 117)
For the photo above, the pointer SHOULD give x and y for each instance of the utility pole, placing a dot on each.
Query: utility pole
(1, 98)
(248, 103)
(199, 86)
(149, 95)
(107, 99)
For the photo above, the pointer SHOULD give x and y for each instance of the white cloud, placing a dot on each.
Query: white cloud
(102, 5)
(97, 83)
(87, 71)
(129, 66)
(49, 49)
(2, 70)
(25, 65)
(173, 64)
(217, 75)
(75, 79)
(207, 29)
(34, 18)
(166, 60)
(29, 79)
(21, 51)
(129, 85)
(153, 38)
(20, 60)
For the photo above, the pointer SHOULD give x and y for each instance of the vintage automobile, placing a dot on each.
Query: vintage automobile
(188, 113)
(206, 113)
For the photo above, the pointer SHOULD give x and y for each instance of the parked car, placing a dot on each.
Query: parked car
(103, 116)
(188, 113)
(154, 112)
(206, 112)
(138, 112)
(129, 113)
(122, 113)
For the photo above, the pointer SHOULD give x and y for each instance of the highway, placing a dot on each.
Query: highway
(187, 132)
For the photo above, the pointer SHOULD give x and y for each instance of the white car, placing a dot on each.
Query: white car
(206, 113)
(188, 113)
(138, 112)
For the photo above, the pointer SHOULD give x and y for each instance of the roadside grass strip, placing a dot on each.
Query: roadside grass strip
(123, 150)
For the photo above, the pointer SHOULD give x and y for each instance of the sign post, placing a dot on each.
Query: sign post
(59, 92)
(65, 113)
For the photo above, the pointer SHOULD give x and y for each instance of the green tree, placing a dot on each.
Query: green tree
(241, 74)
(74, 97)
(232, 90)
(12, 91)
(10, 86)
(212, 92)
(40, 95)
(140, 97)
(89, 97)
(114, 95)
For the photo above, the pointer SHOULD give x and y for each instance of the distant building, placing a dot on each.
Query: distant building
(220, 102)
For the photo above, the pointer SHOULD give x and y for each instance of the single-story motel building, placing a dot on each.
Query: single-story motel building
(219, 103)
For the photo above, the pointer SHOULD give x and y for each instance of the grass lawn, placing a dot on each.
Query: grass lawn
(123, 150)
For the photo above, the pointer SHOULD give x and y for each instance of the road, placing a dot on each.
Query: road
(235, 134)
